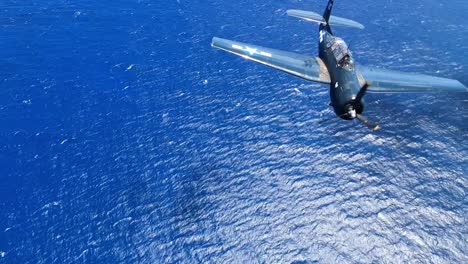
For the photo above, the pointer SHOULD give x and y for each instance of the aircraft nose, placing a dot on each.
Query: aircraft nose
(353, 108)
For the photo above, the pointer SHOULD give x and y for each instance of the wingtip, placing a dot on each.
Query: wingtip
(292, 11)
(462, 87)
(213, 41)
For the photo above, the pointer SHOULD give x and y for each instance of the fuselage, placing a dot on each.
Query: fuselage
(344, 85)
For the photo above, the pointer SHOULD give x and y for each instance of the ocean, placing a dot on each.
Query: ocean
(126, 138)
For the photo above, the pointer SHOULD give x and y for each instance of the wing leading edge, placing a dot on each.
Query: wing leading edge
(386, 81)
(309, 68)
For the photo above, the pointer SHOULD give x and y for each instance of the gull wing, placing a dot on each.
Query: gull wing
(386, 81)
(309, 68)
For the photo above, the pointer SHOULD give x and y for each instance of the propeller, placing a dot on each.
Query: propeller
(368, 123)
(330, 118)
(352, 113)
(325, 120)
(360, 117)
(362, 92)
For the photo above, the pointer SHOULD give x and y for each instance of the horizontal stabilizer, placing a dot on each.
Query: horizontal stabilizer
(317, 18)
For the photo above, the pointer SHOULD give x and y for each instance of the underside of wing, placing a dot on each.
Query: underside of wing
(309, 68)
(386, 81)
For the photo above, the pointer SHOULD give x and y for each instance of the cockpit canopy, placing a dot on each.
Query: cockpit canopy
(342, 54)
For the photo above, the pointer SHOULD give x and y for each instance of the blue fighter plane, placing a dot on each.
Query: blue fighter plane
(335, 66)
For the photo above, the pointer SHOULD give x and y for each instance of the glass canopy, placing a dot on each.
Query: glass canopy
(342, 54)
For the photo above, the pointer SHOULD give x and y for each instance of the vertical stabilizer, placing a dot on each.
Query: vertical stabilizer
(326, 16)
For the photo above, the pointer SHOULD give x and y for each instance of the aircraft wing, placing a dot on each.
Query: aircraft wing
(386, 81)
(309, 68)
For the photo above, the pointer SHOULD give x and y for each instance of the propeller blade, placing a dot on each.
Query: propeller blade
(368, 123)
(329, 119)
(325, 120)
(362, 92)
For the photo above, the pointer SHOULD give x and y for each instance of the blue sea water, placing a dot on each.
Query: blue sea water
(124, 137)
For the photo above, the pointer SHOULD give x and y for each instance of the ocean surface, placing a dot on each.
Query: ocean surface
(125, 138)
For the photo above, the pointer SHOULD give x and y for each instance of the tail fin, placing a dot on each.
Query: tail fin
(326, 16)
(327, 13)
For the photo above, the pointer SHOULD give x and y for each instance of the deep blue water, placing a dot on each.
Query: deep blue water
(125, 137)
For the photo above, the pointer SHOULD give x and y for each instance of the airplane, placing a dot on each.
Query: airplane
(335, 66)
